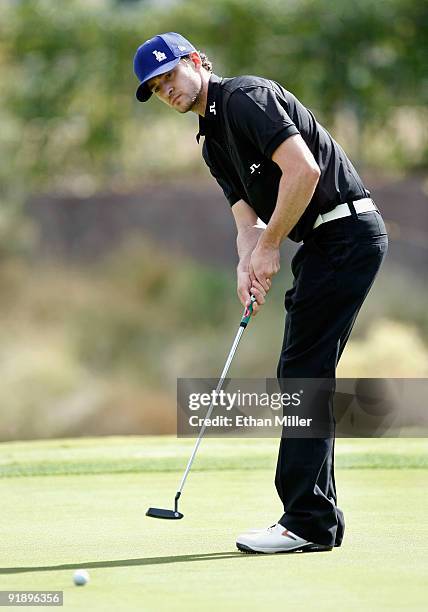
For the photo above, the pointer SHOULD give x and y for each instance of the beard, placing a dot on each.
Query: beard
(189, 101)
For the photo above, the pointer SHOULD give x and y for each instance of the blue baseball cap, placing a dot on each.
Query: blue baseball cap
(157, 56)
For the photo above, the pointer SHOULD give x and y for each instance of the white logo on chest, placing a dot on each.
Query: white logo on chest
(159, 55)
(212, 108)
(254, 167)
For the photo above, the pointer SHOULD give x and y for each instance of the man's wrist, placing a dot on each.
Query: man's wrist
(268, 240)
(243, 266)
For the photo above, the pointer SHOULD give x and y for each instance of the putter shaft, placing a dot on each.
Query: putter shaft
(244, 321)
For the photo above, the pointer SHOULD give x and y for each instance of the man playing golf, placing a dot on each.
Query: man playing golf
(276, 163)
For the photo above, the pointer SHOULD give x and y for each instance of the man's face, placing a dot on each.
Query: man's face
(179, 88)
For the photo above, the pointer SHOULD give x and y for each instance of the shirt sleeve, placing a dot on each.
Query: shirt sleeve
(228, 191)
(259, 115)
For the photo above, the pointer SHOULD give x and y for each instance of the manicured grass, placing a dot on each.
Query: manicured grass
(56, 519)
(137, 454)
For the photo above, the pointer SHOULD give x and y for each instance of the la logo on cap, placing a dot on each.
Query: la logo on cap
(159, 55)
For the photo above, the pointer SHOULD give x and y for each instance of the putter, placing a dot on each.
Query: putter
(162, 513)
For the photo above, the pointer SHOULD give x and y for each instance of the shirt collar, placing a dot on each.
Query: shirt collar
(206, 123)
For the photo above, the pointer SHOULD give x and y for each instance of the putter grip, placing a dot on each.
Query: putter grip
(247, 313)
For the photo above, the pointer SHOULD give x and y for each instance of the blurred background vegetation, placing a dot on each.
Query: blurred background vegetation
(117, 250)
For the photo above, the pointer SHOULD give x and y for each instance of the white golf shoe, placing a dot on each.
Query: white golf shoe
(276, 539)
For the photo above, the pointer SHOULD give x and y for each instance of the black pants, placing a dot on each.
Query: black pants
(333, 272)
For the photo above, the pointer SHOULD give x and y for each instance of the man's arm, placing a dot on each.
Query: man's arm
(300, 175)
(247, 238)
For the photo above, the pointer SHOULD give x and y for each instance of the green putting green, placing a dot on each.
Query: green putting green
(69, 504)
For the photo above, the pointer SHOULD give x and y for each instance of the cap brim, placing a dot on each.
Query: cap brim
(143, 92)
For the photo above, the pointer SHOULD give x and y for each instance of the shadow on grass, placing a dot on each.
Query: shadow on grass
(127, 562)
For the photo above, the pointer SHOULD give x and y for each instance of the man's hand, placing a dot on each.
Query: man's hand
(249, 243)
(244, 286)
(264, 264)
(246, 289)
(256, 280)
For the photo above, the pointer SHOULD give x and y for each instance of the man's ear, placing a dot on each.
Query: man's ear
(196, 59)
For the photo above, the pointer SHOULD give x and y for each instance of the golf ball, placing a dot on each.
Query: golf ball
(80, 577)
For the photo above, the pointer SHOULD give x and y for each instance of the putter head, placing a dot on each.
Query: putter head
(161, 513)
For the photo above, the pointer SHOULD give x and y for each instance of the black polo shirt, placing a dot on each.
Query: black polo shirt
(246, 119)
